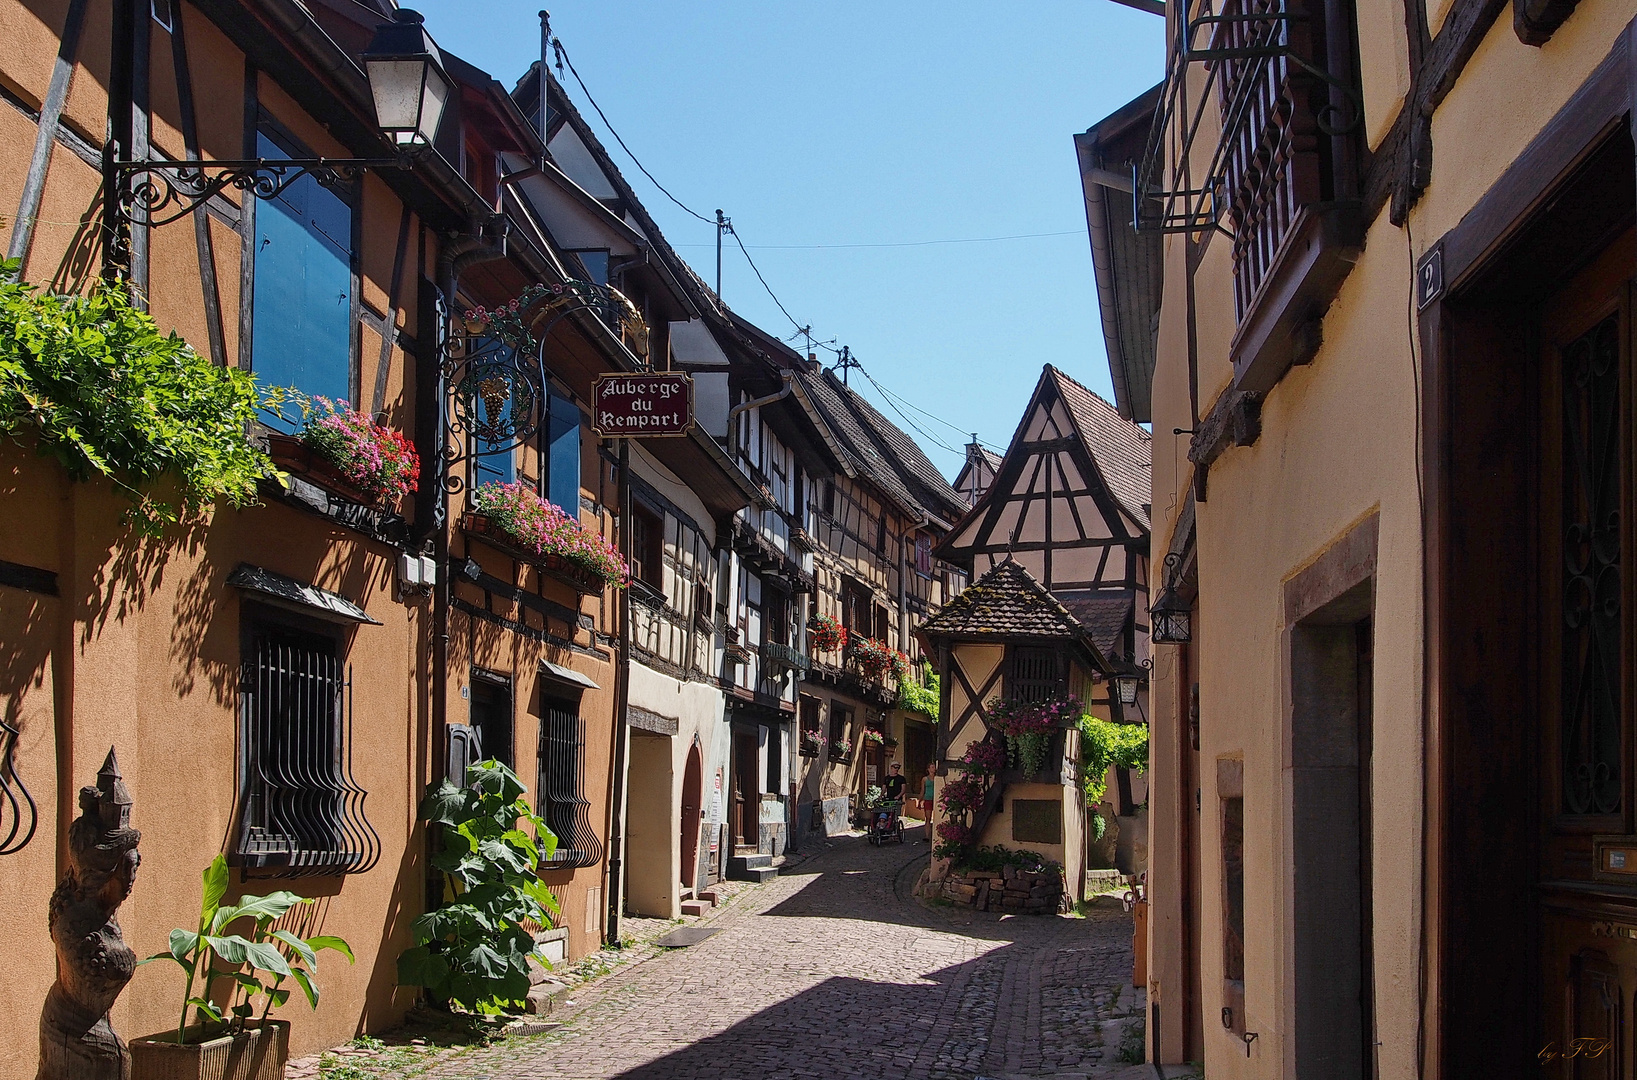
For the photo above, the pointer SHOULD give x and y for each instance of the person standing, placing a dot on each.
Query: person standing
(927, 794)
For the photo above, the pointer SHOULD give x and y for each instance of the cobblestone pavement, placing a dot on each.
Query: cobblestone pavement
(833, 972)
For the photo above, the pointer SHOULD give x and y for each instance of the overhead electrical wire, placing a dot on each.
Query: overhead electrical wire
(906, 243)
(562, 55)
(892, 400)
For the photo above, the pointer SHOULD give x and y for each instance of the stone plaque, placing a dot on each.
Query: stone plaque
(1037, 821)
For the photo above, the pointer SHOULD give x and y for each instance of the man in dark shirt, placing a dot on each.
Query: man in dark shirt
(895, 784)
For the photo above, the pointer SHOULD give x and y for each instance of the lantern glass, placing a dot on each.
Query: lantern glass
(1127, 687)
(407, 80)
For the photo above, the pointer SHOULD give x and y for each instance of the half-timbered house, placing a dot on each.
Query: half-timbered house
(683, 496)
(1393, 811)
(1007, 639)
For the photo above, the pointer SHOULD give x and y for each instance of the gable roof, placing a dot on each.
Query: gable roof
(1006, 603)
(1122, 451)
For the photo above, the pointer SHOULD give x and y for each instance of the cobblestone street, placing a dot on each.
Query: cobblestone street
(832, 971)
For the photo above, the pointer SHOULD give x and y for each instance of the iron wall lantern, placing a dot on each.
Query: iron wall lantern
(1170, 618)
(407, 80)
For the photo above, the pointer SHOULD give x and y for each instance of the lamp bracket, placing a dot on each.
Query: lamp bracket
(160, 192)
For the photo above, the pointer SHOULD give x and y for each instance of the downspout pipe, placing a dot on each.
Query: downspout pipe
(615, 887)
(743, 407)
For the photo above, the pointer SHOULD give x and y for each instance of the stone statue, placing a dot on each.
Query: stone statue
(93, 962)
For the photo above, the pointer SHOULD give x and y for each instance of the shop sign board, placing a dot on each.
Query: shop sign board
(649, 405)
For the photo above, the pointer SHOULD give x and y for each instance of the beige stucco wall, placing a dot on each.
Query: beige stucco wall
(1337, 444)
(657, 767)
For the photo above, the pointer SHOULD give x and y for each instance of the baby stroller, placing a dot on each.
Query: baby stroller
(886, 821)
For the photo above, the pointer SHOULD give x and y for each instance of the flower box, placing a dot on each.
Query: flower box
(257, 1053)
(581, 579)
(293, 456)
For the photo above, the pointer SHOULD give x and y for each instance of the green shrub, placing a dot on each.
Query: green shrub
(474, 950)
(1103, 744)
(103, 391)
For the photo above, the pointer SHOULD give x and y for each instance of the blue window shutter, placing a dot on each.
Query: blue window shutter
(498, 465)
(563, 456)
(301, 332)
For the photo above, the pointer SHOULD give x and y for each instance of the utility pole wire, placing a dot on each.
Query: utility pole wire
(562, 54)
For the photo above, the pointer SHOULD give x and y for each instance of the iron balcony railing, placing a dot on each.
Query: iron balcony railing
(787, 656)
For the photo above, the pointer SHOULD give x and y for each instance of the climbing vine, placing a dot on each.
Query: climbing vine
(1104, 744)
(104, 392)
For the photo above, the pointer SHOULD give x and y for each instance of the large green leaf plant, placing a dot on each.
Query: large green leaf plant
(256, 962)
(101, 389)
(474, 950)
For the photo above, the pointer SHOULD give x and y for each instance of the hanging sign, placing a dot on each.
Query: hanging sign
(656, 404)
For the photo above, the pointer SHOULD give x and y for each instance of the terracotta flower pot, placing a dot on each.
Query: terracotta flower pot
(258, 1053)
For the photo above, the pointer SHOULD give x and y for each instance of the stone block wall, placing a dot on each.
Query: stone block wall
(1007, 890)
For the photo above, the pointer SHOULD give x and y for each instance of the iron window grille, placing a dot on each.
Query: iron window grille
(562, 802)
(302, 813)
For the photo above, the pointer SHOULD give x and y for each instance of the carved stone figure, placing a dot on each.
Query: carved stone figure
(93, 962)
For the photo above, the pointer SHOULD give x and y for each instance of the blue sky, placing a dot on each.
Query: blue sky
(818, 126)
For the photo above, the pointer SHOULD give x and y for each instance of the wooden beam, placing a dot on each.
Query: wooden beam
(1235, 420)
(1401, 167)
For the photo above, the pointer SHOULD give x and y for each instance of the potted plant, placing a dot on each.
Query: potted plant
(826, 634)
(812, 743)
(346, 452)
(234, 973)
(517, 519)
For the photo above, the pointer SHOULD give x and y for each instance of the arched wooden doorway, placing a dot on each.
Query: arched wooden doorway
(692, 804)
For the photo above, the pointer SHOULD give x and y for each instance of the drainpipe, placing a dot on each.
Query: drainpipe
(733, 413)
(622, 731)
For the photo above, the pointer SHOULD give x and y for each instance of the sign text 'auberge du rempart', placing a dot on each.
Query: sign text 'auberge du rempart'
(660, 403)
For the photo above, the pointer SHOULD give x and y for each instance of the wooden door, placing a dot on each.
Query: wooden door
(693, 793)
(747, 794)
(1588, 855)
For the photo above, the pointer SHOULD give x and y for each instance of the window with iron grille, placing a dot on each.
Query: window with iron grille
(301, 811)
(1037, 675)
(561, 797)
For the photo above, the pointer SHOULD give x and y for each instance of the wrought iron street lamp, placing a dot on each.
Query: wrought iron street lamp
(407, 80)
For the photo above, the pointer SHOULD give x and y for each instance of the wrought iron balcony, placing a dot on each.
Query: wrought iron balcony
(1282, 180)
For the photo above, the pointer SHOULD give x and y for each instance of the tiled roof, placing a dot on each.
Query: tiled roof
(1007, 602)
(1122, 450)
(867, 459)
(1103, 614)
(914, 467)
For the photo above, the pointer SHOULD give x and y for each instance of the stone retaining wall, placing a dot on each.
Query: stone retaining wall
(1010, 889)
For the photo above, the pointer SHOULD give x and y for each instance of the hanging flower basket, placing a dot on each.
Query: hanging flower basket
(875, 737)
(516, 519)
(876, 659)
(1030, 728)
(826, 634)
